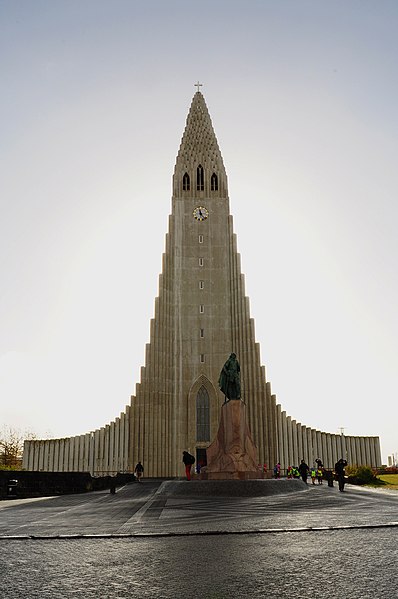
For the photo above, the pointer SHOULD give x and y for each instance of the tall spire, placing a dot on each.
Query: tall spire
(199, 146)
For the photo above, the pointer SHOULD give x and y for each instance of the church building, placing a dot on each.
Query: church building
(201, 316)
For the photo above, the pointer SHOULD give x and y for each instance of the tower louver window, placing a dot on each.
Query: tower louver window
(200, 179)
(186, 184)
(214, 182)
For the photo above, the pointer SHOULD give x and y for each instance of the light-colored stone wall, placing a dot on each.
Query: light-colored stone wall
(102, 452)
(312, 444)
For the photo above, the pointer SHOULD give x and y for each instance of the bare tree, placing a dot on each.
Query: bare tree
(11, 446)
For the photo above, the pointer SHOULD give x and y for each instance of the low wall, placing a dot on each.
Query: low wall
(44, 484)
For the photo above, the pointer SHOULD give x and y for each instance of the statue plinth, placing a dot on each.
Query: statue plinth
(233, 454)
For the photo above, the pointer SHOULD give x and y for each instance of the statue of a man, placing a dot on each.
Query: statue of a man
(229, 381)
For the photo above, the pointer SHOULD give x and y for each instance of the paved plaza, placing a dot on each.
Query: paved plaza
(147, 540)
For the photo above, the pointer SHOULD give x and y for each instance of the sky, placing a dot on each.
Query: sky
(303, 96)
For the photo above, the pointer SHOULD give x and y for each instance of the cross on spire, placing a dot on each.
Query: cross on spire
(198, 85)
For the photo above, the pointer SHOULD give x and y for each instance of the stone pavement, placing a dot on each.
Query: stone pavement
(150, 540)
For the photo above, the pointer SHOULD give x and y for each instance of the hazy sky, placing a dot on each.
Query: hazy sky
(304, 101)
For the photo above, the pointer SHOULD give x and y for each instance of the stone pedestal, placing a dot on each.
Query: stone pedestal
(233, 454)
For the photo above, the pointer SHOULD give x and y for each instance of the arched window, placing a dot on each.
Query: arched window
(202, 415)
(214, 182)
(186, 184)
(200, 179)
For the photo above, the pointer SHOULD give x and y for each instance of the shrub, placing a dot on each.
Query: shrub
(361, 475)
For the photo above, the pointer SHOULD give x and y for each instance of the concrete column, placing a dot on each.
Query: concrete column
(61, 458)
(41, 456)
(349, 452)
(377, 451)
(30, 453)
(33, 457)
(142, 447)
(25, 455)
(343, 447)
(289, 460)
(76, 449)
(71, 454)
(86, 452)
(127, 444)
(91, 454)
(334, 451)
(314, 446)
(106, 449)
(101, 458)
(96, 452)
(310, 456)
(49, 459)
(324, 448)
(372, 452)
(260, 403)
(284, 464)
(300, 451)
(305, 444)
(338, 447)
(122, 454)
(116, 451)
(353, 452)
(358, 450)
(280, 452)
(80, 440)
(294, 459)
(111, 459)
(133, 433)
(367, 451)
(56, 456)
(363, 452)
(319, 447)
(329, 448)
(272, 425)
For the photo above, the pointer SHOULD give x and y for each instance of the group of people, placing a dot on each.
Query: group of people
(317, 472)
(302, 471)
(187, 458)
(317, 475)
(293, 472)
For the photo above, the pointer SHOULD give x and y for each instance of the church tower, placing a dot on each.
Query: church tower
(201, 317)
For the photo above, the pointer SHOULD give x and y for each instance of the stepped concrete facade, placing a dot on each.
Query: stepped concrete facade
(201, 316)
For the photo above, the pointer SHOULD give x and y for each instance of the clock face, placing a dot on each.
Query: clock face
(200, 213)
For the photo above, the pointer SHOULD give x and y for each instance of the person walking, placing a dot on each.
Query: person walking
(319, 475)
(304, 469)
(139, 471)
(339, 469)
(188, 460)
(313, 475)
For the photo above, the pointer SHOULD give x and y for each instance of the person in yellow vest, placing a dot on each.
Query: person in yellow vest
(313, 475)
(319, 475)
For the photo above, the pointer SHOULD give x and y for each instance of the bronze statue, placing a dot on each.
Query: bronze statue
(229, 381)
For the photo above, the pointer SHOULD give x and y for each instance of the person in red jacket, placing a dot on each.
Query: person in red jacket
(188, 460)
